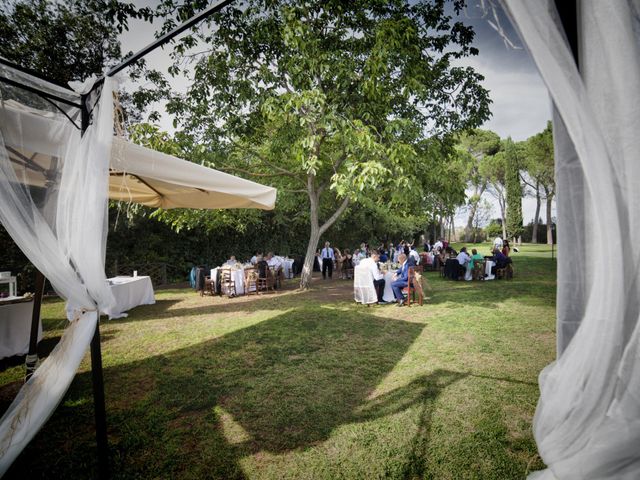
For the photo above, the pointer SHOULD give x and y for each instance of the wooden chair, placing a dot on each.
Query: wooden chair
(251, 280)
(208, 287)
(413, 287)
(278, 276)
(478, 270)
(505, 273)
(266, 283)
(227, 284)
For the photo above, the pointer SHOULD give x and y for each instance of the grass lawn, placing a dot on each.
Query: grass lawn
(312, 386)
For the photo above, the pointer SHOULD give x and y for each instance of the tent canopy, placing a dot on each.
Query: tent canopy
(137, 174)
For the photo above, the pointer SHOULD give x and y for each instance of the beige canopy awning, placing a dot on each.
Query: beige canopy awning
(137, 174)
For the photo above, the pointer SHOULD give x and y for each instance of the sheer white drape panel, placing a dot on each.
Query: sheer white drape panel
(60, 226)
(587, 424)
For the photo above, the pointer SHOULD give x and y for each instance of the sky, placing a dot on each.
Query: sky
(521, 105)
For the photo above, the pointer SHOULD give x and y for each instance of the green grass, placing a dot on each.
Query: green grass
(310, 385)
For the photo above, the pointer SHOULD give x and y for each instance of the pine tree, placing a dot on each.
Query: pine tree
(514, 191)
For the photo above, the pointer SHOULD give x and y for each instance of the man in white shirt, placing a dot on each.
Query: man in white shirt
(463, 259)
(371, 264)
(327, 260)
(232, 261)
(414, 256)
(439, 245)
(355, 258)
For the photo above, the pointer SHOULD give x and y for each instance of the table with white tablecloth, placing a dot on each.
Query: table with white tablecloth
(15, 327)
(387, 295)
(130, 292)
(488, 264)
(237, 276)
(287, 267)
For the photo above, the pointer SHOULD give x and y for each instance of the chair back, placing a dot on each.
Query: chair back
(478, 270)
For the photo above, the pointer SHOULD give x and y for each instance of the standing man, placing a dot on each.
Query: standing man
(327, 260)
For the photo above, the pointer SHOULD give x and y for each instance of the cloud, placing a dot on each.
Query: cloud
(521, 105)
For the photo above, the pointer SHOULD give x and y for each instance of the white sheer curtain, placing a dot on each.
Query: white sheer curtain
(54, 206)
(587, 424)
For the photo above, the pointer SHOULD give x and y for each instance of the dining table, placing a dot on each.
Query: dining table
(237, 276)
(15, 325)
(131, 292)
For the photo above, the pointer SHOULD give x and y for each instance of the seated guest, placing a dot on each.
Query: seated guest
(384, 256)
(254, 259)
(427, 245)
(400, 279)
(232, 261)
(500, 260)
(506, 249)
(263, 266)
(273, 261)
(463, 259)
(475, 257)
(371, 265)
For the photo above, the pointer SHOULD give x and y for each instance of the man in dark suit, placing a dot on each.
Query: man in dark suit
(400, 279)
(328, 258)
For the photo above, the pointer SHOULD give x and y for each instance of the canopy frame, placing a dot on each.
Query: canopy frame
(85, 120)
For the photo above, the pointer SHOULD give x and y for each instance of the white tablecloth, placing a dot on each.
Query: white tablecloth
(13, 286)
(237, 276)
(131, 292)
(287, 267)
(387, 296)
(15, 329)
(487, 270)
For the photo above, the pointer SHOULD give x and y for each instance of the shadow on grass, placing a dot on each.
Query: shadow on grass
(281, 385)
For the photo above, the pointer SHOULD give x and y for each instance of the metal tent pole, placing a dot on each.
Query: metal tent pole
(32, 357)
(97, 377)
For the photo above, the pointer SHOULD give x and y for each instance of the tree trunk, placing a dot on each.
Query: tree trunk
(309, 259)
(453, 229)
(549, 229)
(316, 231)
(534, 234)
(503, 216)
(473, 207)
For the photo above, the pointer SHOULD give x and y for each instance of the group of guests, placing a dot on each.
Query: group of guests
(466, 263)
(329, 257)
(399, 281)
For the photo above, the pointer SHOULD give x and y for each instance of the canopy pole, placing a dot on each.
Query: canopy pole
(216, 7)
(99, 404)
(31, 362)
(97, 377)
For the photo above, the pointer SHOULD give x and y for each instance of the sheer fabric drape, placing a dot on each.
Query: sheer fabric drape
(54, 206)
(587, 423)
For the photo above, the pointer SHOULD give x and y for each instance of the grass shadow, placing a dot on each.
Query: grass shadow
(280, 385)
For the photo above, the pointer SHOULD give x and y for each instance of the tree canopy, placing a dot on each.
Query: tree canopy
(335, 103)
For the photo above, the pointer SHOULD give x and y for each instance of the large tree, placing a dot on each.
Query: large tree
(476, 144)
(539, 163)
(513, 189)
(333, 102)
(493, 170)
(68, 40)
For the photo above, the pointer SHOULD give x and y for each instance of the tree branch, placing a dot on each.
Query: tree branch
(343, 206)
